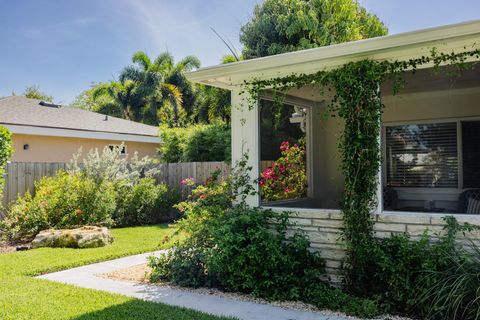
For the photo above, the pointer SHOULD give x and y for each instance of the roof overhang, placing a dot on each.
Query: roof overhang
(458, 37)
(83, 134)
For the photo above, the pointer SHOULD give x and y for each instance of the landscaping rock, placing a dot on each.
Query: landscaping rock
(84, 237)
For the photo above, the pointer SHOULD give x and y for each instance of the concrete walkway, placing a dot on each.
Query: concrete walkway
(85, 277)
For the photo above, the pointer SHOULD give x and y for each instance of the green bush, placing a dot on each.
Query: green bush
(145, 202)
(249, 250)
(244, 254)
(196, 143)
(324, 297)
(454, 292)
(62, 201)
(251, 257)
(402, 271)
(5, 154)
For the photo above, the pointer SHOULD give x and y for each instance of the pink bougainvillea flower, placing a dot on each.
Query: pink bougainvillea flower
(188, 181)
(268, 174)
(287, 190)
(284, 146)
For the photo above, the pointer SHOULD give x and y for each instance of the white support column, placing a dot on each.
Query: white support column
(246, 136)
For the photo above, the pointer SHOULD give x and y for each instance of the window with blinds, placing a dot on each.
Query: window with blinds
(422, 155)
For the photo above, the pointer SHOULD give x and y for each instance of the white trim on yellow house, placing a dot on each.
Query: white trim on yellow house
(96, 135)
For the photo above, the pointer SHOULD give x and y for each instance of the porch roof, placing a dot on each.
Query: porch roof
(457, 37)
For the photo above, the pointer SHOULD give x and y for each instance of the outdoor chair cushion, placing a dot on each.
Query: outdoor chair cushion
(473, 206)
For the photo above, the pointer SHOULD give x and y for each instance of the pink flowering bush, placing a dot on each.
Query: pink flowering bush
(287, 177)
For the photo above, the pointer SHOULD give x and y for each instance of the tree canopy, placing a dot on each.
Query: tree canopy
(280, 26)
(33, 92)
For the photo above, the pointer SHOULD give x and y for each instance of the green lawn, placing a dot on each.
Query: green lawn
(23, 297)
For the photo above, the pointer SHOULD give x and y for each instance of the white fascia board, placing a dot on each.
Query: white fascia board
(232, 74)
(68, 133)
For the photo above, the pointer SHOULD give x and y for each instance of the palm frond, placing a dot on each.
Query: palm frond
(164, 58)
(174, 93)
(131, 73)
(189, 63)
(142, 59)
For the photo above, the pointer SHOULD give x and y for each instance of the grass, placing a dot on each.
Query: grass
(24, 297)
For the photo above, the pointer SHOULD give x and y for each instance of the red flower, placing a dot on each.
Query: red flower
(284, 146)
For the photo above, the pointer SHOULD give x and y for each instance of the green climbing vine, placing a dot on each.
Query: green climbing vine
(357, 100)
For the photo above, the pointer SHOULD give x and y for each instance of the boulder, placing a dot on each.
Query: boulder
(84, 237)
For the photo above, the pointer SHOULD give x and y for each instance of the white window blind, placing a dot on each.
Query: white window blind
(422, 155)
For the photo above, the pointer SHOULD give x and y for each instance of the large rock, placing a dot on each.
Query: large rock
(84, 237)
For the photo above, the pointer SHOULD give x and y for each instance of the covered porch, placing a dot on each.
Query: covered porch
(429, 137)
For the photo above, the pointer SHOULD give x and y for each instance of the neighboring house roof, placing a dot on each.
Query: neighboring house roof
(403, 46)
(31, 116)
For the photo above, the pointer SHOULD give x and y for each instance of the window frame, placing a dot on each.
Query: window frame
(113, 146)
(303, 103)
(422, 190)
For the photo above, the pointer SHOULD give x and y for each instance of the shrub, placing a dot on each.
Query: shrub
(110, 166)
(196, 143)
(251, 257)
(143, 203)
(454, 292)
(287, 177)
(324, 297)
(250, 250)
(401, 270)
(63, 201)
(5, 154)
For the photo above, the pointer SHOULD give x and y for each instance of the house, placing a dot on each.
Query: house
(46, 132)
(430, 134)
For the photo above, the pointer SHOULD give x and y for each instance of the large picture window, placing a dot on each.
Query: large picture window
(432, 167)
(422, 155)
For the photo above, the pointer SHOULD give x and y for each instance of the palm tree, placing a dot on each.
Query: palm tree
(163, 83)
(125, 94)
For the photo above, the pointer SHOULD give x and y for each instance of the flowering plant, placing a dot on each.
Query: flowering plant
(286, 178)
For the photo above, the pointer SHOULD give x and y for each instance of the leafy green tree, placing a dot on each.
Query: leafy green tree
(126, 100)
(33, 92)
(102, 103)
(279, 26)
(162, 82)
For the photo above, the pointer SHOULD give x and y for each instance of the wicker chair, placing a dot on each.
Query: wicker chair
(390, 199)
(463, 199)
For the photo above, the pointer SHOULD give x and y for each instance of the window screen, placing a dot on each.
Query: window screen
(471, 154)
(422, 155)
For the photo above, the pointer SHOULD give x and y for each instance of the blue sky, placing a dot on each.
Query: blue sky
(64, 46)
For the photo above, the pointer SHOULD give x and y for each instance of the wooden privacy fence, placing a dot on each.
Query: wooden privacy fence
(21, 176)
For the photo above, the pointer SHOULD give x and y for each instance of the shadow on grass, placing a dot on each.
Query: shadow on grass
(138, 309)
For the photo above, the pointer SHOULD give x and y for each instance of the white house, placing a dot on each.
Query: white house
(430, 134)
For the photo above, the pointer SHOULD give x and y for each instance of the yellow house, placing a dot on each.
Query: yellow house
(47, 132)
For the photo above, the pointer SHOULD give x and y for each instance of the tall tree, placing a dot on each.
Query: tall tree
(279, 26)
(126, 99)
(33, 92)
(169, 94)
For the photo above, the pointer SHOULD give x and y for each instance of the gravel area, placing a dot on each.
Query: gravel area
(140, 274)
